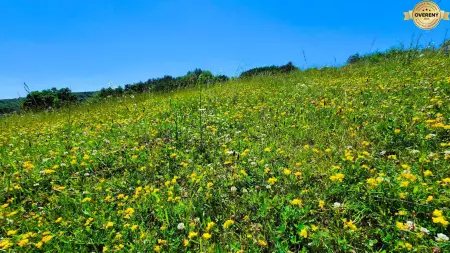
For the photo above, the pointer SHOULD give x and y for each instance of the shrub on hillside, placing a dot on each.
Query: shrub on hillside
(38, 100)
(269, 70)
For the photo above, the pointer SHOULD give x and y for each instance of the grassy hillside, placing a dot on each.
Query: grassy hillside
(354, 159)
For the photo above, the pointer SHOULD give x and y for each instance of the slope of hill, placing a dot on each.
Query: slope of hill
(337, 159)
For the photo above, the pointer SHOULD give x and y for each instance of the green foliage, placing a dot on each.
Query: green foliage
(166, 83)
(270, 70)
(86, 95)
(446, 44)
(354, 58)
(9, 105)
(52, 98)
(394, 54)
(108, 92)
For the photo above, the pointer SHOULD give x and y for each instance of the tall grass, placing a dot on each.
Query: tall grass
(322, 160)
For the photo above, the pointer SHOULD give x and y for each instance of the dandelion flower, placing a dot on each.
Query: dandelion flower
(321, 204)
(262, 243)
(428, 173)
(228, 223)
(296, 202)
(441, 220)
(47, 238)
(86, 200)
(349, 224)
(192, 235)
(272, 180)
(23, 242)
(11, 232)
(401, 225)
(337, 177)
(39, 244)
(304, 233)
(210, 225)
(109, 224)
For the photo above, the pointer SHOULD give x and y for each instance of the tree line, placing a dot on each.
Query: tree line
(56, 98)
(166, 83)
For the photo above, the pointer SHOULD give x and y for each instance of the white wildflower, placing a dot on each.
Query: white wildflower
(424, 230)
(441, 237)
(180, 226)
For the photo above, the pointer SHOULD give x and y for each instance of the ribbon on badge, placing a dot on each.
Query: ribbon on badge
(443, 15)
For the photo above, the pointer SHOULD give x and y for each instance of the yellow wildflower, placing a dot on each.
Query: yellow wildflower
(210, 225)
(23, 242)
(427, 173)
(47, 238)
(11, 232)
(86, 200)
(337, 177)
(404, 184)
(349, 224)
(109, 224)
(321, 204)
(262, 243)
(272, 180)
(192, 235)
(441, 220)
(39, 244)
(228, 223)
(304, 233)
(296, 202)
(401, 226)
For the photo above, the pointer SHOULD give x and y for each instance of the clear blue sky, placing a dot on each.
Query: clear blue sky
(86, 44)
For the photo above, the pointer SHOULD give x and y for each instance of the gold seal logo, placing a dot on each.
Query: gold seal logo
(426, 15)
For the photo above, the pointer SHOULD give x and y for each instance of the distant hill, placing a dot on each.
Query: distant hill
(10, 105)
(13, 104)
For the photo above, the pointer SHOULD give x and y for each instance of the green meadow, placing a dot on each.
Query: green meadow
(339, 159)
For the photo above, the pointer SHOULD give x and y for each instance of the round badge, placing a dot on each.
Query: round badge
(426, 15)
